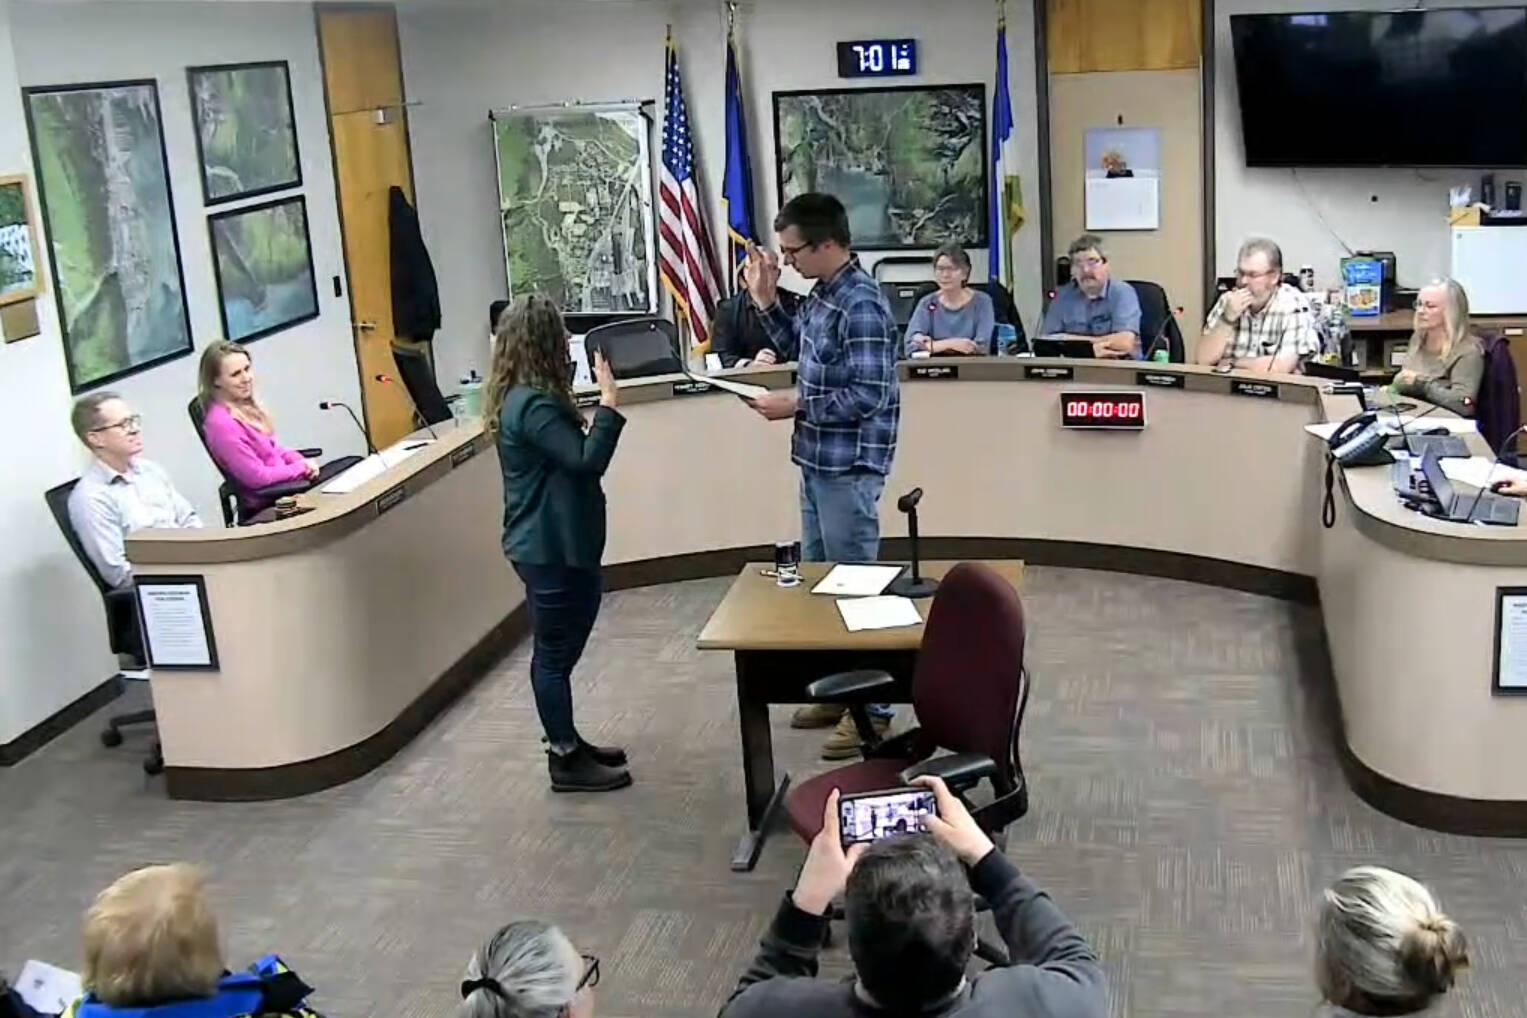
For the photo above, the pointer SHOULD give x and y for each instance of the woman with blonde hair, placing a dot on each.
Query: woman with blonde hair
(1445, 361)
(1383, 945)
(529, 969)
(554, 519)
(151, 942)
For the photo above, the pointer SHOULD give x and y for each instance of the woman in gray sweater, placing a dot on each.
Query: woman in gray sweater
(954, 319)
(1445, 362)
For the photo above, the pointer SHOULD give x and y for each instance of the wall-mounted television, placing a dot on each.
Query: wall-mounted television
(1437, 87)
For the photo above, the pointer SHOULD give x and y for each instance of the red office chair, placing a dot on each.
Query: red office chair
(970, 690)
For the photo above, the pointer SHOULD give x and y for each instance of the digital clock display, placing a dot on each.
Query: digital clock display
(1119, 410)
(877, 58)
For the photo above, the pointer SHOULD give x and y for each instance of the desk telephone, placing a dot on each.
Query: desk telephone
(1359, 441)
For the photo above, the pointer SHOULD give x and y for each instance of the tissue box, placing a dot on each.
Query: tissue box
(1363, 282)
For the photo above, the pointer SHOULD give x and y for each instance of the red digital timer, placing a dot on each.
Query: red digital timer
(1119, 410)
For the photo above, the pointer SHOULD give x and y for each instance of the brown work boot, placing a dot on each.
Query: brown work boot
(818, 715)
(844, 742)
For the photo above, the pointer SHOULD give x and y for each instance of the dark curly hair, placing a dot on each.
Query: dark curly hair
(529, 348)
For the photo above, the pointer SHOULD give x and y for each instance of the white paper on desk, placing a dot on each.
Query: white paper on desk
(1477, 471)
(856, 581)
(1389, 426)
(373, 466)
(48, 988)
(742, 389)
(861, 613)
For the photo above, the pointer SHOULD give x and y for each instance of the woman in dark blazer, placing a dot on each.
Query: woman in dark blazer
(554, 519)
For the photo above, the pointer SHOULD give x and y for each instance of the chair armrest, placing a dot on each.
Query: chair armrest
(847, 685)
(959, 770)
(310, 454)
(285, 488)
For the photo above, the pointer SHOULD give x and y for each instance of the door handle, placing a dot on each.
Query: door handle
(363, 326)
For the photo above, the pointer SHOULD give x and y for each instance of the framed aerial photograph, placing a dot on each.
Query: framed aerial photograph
(263, 260)
(246, 130)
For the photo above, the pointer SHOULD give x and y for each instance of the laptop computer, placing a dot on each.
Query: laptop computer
(1054, 346)
(1484, 507)
(1335, 372)
(1445, 445)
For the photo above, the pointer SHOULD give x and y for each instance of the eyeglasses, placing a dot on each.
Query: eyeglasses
(127, 425)
(590, 974)
(1087, 263)
(1243, 274)
(791, 252)
(947, 270)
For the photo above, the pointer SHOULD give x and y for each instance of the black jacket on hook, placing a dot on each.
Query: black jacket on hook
(415, 292)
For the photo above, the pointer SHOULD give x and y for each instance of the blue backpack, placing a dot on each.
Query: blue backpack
(268, 987)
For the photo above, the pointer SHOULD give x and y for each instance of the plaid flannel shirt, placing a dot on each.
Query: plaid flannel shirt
(1287, 323)
(843, 339)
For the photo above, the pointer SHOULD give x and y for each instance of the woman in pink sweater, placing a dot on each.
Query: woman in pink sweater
(239, 433)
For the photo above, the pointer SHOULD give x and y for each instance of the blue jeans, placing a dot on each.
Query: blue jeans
(563, 604)
(840, 522)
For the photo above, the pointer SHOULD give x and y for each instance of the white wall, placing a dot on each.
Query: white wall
(459, 63)
(52, 637)
(1399, 210)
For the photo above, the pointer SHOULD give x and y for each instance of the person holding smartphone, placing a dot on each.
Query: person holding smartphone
(554, 519)
(910, 904)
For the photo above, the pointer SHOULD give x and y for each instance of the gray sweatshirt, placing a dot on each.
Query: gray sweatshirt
(1054, 974)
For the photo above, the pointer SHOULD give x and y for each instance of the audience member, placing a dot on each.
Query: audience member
(1383, 946)
(240, 433)
(910, 906)
(529, 969)
(554, 519)
(120, 491)
(1094, 306)
(1445, 361)
(152, 948)
(955, 319)
(1263, 324)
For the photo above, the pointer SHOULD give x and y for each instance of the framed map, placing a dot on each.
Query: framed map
(575, 207)
(909, 163)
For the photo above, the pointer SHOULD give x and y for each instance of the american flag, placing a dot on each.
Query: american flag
(686, 258)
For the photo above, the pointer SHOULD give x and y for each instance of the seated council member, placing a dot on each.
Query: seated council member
(1445, 362)
(1263, 324)
(1094, 306)
(120, 491)
(955, 319)
(738, 336)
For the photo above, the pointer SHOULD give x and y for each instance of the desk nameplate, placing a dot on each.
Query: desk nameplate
(934, 371)
(390, 499)
(463, 454)
(1257, 390)
(691, 388)
(1049, 372)
(1161, 380)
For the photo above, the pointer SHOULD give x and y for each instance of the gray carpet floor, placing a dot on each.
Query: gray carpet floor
(1186, 811)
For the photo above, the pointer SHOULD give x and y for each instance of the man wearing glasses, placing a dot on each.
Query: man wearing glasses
(1094, 306)
(1263, 324)
(120, 491)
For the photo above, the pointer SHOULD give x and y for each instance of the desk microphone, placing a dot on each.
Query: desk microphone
(1493, 464)
(1160, 333)
(915, 585)
(330, 404)
(389, 380)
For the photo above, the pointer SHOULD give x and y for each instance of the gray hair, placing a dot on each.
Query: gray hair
(1455, 315)
(86, 414)
(1262, 246)
(533, 964)
(1381, 940)
(955, 253)
(1087, 242)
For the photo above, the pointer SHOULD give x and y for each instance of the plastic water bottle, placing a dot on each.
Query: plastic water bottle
(1006, 337)
(1161, 356)
(470, 400)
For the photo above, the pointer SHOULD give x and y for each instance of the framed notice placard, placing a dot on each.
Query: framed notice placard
(1509, 676)
(177, 625)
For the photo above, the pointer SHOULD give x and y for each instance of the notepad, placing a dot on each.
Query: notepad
(857, 581)
(860, 613)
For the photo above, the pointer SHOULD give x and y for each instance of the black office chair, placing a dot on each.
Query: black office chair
(419, 379)
(122, 627)
(903, 298)
(637, 347)
(1157, 320)
(228, 492)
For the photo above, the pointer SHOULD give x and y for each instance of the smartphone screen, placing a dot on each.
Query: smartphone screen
(870, 816)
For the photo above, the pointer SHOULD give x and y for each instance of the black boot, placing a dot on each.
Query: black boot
(610, 756)
(578, 771)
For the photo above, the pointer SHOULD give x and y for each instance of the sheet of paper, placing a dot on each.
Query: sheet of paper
(856, 581)
(861, 613)
(372, 467)
(1513, 642)
(1132, 203)
(1477, 471)
(742, 389)
(48, 988)
(173, 624)
(1390, 426)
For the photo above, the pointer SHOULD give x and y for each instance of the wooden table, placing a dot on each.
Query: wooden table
(784, 638)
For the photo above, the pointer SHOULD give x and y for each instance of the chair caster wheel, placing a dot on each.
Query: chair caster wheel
(154, 766)
(111, 738)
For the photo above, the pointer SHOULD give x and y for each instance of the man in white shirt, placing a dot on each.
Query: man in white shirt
(120, 491)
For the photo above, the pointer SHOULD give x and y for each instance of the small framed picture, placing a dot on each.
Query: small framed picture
(20, 276)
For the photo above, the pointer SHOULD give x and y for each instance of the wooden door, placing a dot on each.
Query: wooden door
(368, 129)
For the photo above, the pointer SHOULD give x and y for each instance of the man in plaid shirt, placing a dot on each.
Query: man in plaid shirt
(1263, 324)
(846, 404)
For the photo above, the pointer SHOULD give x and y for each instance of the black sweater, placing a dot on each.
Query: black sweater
(1054, 974)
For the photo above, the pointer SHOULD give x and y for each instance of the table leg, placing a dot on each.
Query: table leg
(764, 797)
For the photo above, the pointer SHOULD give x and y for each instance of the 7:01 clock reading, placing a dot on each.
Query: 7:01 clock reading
(877, 58)
(1118, 410)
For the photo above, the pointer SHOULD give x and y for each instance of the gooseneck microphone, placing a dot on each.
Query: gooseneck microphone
(389, 380)
(915, 585)
(330, 404)
(1160, 333)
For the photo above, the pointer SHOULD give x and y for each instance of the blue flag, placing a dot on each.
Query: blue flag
(1005, 213)
(737, 186)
